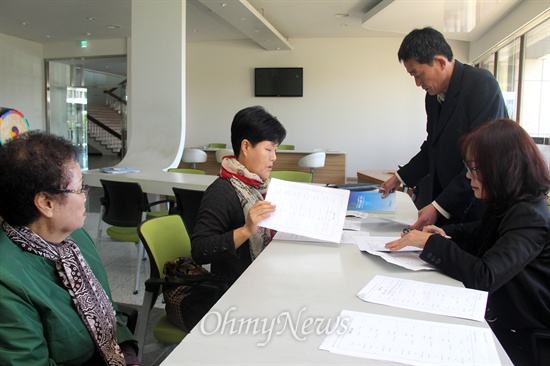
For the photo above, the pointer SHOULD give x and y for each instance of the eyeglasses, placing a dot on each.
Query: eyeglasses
(469, 166)
(85, 189)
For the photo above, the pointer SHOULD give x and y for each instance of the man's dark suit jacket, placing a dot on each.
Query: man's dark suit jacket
(473, 98)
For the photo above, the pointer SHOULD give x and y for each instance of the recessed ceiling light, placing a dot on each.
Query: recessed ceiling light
(112, 26)
(90, 18)
(224, 4)
(341, 15)
(88, 34)
(25, 24)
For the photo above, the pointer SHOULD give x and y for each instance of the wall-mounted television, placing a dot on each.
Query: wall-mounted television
(278, 82)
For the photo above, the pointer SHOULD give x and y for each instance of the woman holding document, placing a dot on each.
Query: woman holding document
(227, 233)
(507, 253)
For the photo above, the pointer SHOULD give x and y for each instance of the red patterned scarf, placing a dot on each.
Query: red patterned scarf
(250, 188)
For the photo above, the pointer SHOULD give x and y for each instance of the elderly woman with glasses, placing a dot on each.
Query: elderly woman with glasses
(55, 302)
(507, 253)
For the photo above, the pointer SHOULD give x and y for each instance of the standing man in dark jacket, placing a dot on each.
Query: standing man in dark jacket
(458, 99)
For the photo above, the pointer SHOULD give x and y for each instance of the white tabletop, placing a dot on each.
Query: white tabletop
(153, 182)
(298, 281)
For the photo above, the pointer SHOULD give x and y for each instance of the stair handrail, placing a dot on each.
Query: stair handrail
(110, 93)
(104, 127)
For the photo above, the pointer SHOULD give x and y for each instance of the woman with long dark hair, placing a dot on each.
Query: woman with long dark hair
(507, 253)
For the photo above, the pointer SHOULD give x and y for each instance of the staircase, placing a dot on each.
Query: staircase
(105, 140)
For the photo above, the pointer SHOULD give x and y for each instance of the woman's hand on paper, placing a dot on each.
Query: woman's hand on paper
(414, 238)
(261, 210)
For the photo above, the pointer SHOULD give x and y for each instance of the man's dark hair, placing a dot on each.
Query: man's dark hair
(423, 45)
(255, 124)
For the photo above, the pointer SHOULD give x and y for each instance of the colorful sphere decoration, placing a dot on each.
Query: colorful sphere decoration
(12, 123)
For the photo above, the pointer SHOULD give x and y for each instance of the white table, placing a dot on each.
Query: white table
(153, 182)
(303, 280)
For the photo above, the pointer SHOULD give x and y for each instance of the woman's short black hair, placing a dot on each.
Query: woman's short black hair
(255, 124)
(31, 163)
(509, 163)
(423, 45)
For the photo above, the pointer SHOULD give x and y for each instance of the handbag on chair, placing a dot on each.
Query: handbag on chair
(190, 291)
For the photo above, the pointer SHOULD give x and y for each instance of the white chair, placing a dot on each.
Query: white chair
(194, 156)
(312, 161)
(223, 152)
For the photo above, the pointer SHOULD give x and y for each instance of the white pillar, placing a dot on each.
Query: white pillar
(156, 85)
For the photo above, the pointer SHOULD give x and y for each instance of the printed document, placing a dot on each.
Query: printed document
(410, 341)
(306, 209)
(347, 236)
(406, 259)
(452, 301)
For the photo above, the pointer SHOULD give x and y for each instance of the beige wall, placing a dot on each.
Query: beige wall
(357, 97)
(22, 79)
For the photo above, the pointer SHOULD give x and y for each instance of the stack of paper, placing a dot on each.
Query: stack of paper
(411, 341)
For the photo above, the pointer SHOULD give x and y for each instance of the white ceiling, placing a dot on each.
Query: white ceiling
(272, 24)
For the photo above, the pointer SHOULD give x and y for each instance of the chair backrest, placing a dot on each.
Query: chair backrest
(313, 160)
(186, 171)
(194, 156)
(217, 145)
(285, 147)
(292, 175)
(188, 203)
(123, 202)
(223, 152)
(164, 238)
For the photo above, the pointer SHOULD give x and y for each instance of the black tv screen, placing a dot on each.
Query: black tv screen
(278, 82)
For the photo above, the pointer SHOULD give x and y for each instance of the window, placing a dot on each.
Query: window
(508, 75)
(522, 68)
(488, 63)
(535, 106)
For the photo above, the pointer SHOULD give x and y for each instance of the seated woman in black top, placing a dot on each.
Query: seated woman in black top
(226, 234)
(507, 253)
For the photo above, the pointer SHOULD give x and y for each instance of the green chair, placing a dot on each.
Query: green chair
(216, 145)
(186, 170)
(124, 206)
(285, 147)
(291, 175)
(164, 239)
